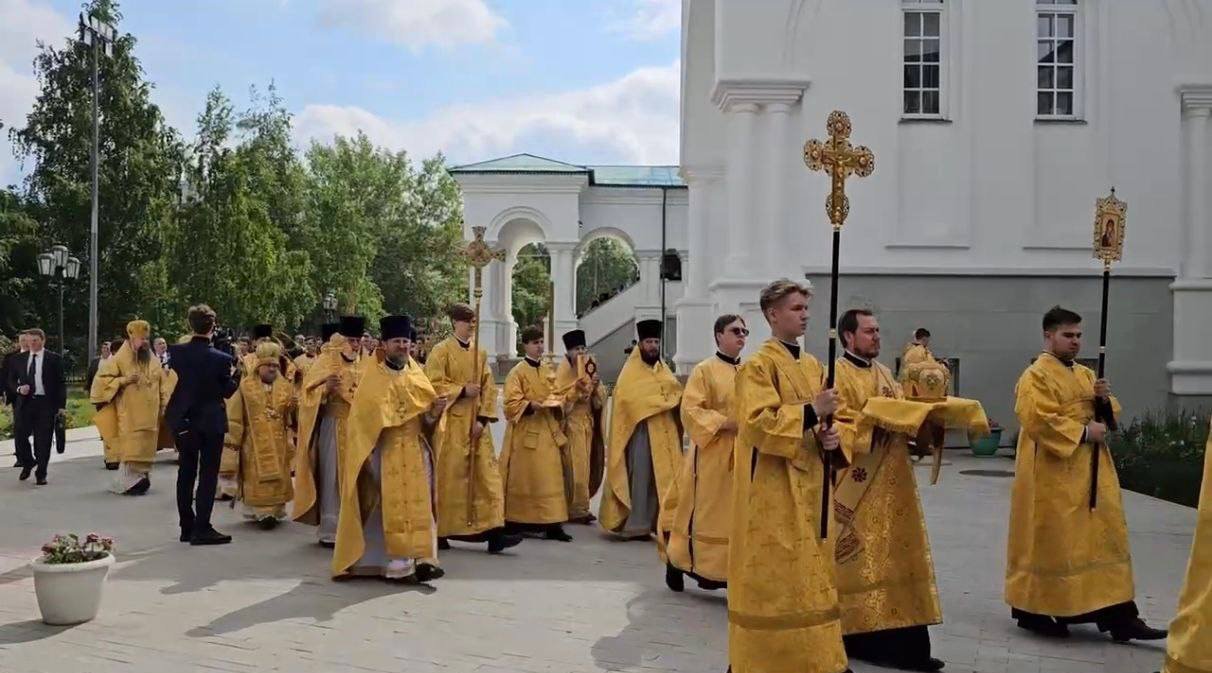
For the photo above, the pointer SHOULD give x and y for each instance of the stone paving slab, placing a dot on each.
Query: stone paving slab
(266, 603)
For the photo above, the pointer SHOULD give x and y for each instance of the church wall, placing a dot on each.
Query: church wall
(637, 213)
(992, 324)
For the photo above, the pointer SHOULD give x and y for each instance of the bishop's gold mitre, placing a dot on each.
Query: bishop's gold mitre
(927, 381)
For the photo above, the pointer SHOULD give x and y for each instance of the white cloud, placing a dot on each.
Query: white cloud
(416, 23)
(647, 20)
(633, 119)
(22, 24)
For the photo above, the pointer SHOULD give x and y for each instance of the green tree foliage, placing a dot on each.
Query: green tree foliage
(237, 218)
(18, 247)
(531, 285)
(140, 156)
(607, 267)
(229, 246)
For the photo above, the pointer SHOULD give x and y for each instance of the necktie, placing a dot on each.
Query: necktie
(33, 368)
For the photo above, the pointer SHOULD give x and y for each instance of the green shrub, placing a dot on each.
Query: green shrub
(1162, 455)
(79, 414)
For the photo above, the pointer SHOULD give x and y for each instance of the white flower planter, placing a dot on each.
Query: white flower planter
(70, 593)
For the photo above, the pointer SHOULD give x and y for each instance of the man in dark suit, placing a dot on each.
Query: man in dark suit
(197, 417)
(19, 348)
(37, 386)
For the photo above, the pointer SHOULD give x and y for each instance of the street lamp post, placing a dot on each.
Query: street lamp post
(58, 266)
(98, 35)
(330, 305)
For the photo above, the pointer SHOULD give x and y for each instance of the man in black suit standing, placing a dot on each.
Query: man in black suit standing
(39, 392)
(197, 417)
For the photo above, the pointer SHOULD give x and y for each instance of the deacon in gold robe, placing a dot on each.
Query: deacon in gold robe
(109, 449)
(916, 351)
(701, 495)
(782, 599)
(260, 416)
(387, 525)
(471, 500)
(133, 390)
(535, 465)
(1067, 563)
(1189, 648)
(577, 377)
(645, 445)
(324, 403)
(885, 573)
(311, 350)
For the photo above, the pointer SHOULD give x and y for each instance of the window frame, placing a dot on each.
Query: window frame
(1053, 9)
(939, 7)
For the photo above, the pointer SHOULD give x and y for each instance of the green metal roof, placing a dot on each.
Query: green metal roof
(603, 176)
(636, 176)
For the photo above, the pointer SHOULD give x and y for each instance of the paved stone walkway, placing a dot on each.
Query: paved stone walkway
(265, 603)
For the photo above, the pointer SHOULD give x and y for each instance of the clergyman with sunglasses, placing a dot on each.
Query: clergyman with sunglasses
(701, 497)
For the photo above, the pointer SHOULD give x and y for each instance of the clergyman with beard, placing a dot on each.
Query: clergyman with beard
(132, 390)
(645, 439)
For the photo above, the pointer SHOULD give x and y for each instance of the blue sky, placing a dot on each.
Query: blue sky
(580, 80)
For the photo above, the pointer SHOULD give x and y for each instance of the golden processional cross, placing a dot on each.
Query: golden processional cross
(837, 157)
(478, 255)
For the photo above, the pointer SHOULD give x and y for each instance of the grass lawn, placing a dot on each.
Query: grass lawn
(79, 413)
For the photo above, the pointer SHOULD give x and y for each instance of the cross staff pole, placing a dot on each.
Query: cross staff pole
(840, 160)
(478, 255)
(1110, 225)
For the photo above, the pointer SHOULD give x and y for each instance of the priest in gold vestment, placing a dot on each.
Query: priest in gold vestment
(133, 390)
(386, 524)
(577, 377)
(260, 416)
(885, 573)
(535, 465)
(471, 504)
(917, 350)
(1067, 563)
(324, 403)
(783, 612)
(645, 442)
(1189, 648)
(701, 496)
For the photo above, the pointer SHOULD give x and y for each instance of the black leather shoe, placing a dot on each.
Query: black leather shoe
(267, 523)
(328, 545)
(711, 585)
(208, 537)
(1136, 629)
(186, 535)
(427, 572)
(25, 472)
(41, 481)
(111, 466)
(139, 488)
(499, 541)
(556, 532)
(674, 579)
(443, 544)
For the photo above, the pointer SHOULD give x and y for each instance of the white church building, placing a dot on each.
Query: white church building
(995, 125)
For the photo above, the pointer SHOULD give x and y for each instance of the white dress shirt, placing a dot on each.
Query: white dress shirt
(38, 357)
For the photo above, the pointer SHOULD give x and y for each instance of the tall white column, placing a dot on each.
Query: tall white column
(490, 307)
(742, 118)
(694, 309)
(1191, 368)
(563, 274)
(1197, 262)
(778, 251)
